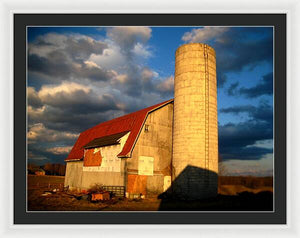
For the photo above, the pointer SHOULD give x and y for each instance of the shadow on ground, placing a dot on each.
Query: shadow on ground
(196, 189)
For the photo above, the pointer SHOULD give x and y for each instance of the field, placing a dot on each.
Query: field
(235, 194)
(35, 181)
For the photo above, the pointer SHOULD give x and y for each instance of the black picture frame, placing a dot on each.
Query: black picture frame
(21, 216)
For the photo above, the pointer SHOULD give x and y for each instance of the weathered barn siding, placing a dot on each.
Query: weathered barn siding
(73, 175)
(109, 170)
(155, 143)
(76, 178)
(92, 177)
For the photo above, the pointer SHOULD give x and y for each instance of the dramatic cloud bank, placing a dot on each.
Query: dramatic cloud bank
(242, 140)
(236, 48)
(80, 78)
(76, 81)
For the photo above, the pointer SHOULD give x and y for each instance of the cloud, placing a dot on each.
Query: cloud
(141, 51)
(62, 120)
(141, 81)
(66, 57)
(66, 87)
(56, 64)
(127, 48)
(60, 150)
(263, 167)
(264, 143)
(72, 107)
(92, 71)
(264, 87)
(42, 155)
(33, 98)
(76, 98)
(236, 56)
(232, 90)
(242, 140)
(111, 59)
(264, 112)
(39, 133)
(167, 85)
(238, 109)
(204, 34)
(77, 47)
(128, 37)
(236, 140)
(148, 74)
(237, 48)
(121, 78)
(239, 55)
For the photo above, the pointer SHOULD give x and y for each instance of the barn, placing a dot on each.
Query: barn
(171, 146)
(133, 151)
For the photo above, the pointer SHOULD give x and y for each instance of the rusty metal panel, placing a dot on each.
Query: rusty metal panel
(137, 184)
(100, 196)
(92, 157)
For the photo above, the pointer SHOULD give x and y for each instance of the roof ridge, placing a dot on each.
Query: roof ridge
(127, 115)
(132, 122)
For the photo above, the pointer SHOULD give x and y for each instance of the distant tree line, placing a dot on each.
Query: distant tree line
(247, 181)
(50, 169)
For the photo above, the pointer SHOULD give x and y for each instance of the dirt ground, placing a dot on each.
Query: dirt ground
(230, 198)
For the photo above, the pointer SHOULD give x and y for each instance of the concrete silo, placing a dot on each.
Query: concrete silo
(195, 131)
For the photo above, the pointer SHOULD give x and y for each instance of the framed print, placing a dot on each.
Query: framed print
(150, 118)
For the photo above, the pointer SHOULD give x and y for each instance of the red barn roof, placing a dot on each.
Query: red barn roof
(132, 122)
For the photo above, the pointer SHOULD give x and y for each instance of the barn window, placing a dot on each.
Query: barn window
(146, 128)
(146, 165)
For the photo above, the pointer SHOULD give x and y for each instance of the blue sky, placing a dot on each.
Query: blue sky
(81, 76)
